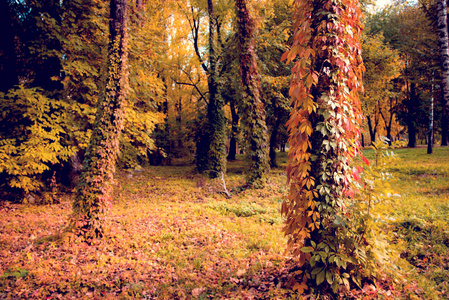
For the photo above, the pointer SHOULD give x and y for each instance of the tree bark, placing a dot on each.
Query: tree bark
(234, 131)
(95, 186)
(443, 46)
(372, 129)
(431, 116)
(444, 125)
(412, 114)
(211, 147)
(252, 106)
(411, 134)
(274, 140)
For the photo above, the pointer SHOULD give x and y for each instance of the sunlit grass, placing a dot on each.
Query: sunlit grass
(174, 234)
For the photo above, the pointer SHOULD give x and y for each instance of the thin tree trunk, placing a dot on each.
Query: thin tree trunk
(412, 111)
(372, 129)
(95, 186)
(431, 113)
(273, 141)
(234, 131)
(252, 106)
(388, 123)
(443, 45)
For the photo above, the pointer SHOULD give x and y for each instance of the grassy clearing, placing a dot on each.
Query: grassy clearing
(175, 235)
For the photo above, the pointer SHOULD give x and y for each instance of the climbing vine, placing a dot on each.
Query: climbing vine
(253, 110)
(323, 139)
(94, 189)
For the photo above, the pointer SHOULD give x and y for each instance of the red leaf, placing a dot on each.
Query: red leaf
(365, 160)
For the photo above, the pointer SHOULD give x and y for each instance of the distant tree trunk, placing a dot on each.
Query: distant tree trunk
(372, 129)
(8, 71)
(253, 110)
(274, 141)
(411, 134)
(234, 131)
(411, 122)
(444, 125)
(444, 54)
(431, 113)
(388, 123)
(93, 191)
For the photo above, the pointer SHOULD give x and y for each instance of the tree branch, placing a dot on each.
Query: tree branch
(193, 85)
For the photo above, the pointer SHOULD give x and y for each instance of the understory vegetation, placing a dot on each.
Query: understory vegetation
(174, 234)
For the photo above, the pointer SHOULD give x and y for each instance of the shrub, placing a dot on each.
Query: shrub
(32, 130)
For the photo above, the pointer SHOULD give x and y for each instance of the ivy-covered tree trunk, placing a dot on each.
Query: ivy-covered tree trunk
(443, 45)
(211, 149)
(323, 137)
(252, 107)
(93, 192)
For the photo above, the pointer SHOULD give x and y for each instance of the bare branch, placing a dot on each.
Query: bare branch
(223, 184)
(193, 85)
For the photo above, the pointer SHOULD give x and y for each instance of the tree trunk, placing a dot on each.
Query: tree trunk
(443, 46)
(95, 186)
(273, 140)
(326, 37)
(372, 129)
(412, 114)
(431, 114)
(211, 149)
(390, 123)
(234, 131)
(252, 107)
(411, 134)
(444, 125)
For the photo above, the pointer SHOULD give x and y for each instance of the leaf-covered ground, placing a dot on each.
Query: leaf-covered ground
(175, 235)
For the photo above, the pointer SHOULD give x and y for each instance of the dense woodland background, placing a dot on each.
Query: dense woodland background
(53, 66)
(213, 93)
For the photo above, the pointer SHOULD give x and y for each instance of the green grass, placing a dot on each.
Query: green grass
(175, 235)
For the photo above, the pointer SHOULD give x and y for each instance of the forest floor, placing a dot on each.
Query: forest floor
(175, 235)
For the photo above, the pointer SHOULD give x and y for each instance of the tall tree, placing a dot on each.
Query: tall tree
(215, 113)
(210, 146)
(94, 188)
(324, 136)
(252, 107)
